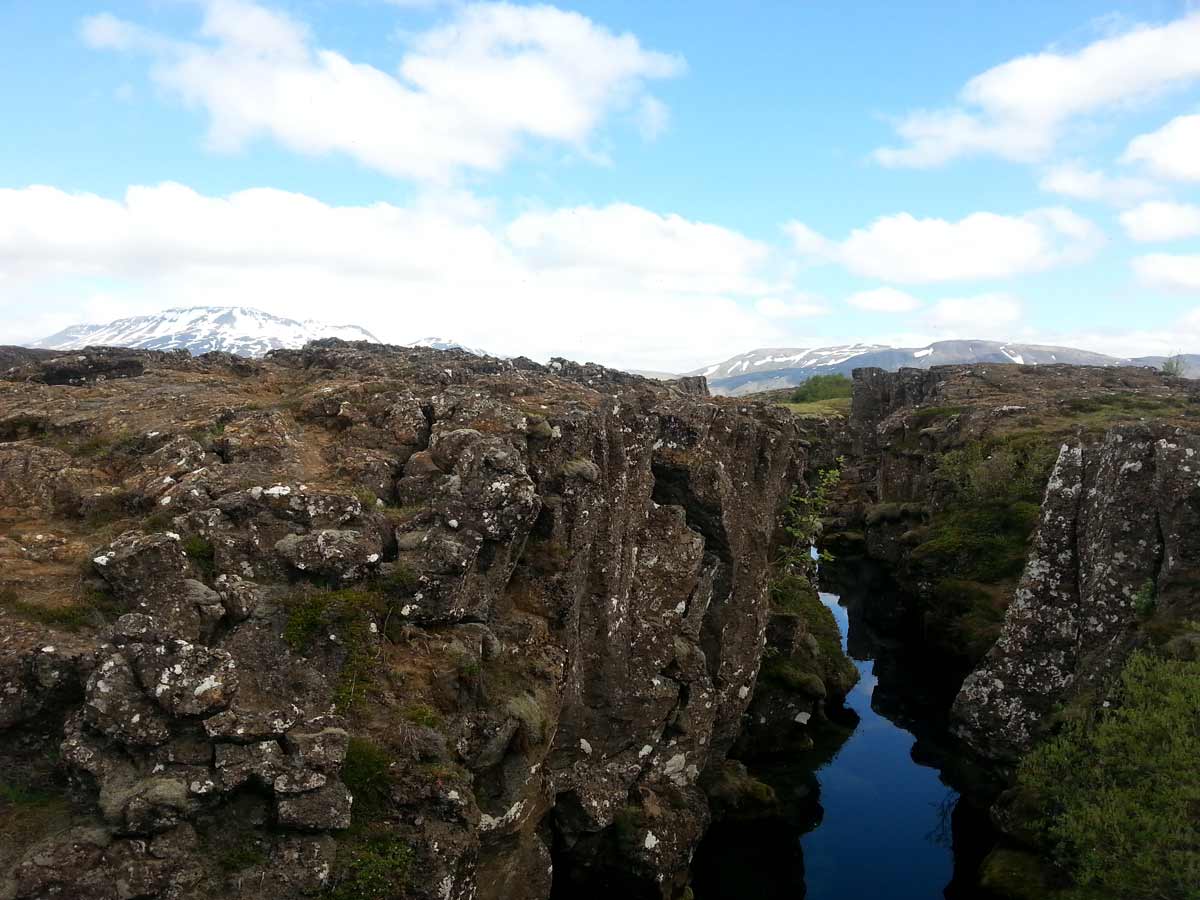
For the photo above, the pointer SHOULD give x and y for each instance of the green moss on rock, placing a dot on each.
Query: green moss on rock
(1011, 874)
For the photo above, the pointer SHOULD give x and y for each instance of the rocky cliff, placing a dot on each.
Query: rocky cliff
(1114, 565)
(1044, 519)
(370, 622)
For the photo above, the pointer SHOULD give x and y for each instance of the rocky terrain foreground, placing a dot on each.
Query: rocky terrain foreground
(364, 622)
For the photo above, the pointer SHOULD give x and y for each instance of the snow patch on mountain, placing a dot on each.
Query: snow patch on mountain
(240, 330)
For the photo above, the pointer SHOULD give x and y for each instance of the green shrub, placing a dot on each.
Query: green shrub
(1174, 366)
(986, 542)
(348, 614)
(1005, 471)
(203, 555)
(822, 387)
(1145, 601)
(372, 865)
(965, 617)
(1119, 797)
(367, 772)
(801, 523)
(424, 715)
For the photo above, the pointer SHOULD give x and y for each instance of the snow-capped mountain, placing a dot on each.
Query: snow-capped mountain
(444, 343)
(770, 359)
(774, 368)
(199, 329)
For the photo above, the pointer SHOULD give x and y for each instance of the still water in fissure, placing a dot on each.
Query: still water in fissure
(885, 830)
(869, 811)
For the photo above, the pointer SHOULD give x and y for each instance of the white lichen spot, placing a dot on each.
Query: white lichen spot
(585, 746)
(651, 841)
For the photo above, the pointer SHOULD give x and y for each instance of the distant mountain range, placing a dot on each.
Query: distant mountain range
(441, 343)
(241, 330)
(782, 367)
(251, 332)
(199, 329)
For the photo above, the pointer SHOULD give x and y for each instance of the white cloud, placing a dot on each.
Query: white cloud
(467, 95)
(1171, 152)
(1080, 183)
(1169, 271)
(1161, 221)
(800, 307)
(653, 117)
(986, 314)
(884, 299)
(983, 245)
(660, 252)
(617, 284)
(1018, 110)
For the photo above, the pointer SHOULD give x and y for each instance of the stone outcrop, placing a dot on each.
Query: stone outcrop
(1112, 557)
(1118, 541)
(500, 615)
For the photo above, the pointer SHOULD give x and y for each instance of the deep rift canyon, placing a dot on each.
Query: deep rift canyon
(367, 622)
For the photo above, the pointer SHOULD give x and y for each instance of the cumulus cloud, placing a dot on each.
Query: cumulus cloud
(975, 316)
(1080, 183)
(904, 249)
(1161, 221)
(799, 307)
(884, 299)
(1169, 271)
(1019, 109)
(660, 252)
(1171, 152)
(467, 95)
(617, 284)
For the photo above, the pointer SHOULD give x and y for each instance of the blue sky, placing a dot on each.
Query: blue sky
(653, 185)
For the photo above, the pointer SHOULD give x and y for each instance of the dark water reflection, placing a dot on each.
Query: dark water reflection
(871, 808)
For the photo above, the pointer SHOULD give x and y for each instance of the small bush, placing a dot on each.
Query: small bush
(1005, 471)
(1174, 366)
(372, 866)
(367, 772)
(203, 555)
(822, 387)
(1119, 797)
(1145, 601)
(424, 715)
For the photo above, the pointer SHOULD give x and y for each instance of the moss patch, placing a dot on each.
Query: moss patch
(987, 542)
(373, 864)
(201, 552)
(367, 772)
(424, 715)
(348, 615)
(27, 814)
(91, 611)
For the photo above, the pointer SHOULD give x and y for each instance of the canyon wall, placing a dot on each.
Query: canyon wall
(371, 622)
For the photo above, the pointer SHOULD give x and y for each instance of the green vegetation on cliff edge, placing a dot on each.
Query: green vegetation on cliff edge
(1118, 798)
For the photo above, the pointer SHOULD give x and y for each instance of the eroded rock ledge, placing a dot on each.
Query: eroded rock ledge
(462, 618)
